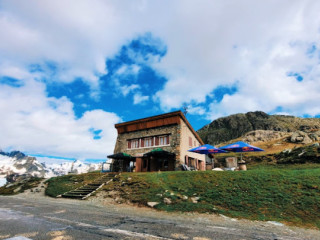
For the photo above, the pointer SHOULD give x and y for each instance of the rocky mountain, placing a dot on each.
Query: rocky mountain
(76, 167)
(17, 163)
(237, 125)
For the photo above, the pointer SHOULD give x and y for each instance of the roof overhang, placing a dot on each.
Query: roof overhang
(172, 118)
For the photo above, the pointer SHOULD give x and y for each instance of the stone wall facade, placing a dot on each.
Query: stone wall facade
(174, 140)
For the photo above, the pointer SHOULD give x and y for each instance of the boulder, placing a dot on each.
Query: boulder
(300, 137)
(264, 136)
(167, 201)
(195, 199)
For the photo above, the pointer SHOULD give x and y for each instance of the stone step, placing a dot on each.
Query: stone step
(86, 190)
(80, 192)
(73, 196)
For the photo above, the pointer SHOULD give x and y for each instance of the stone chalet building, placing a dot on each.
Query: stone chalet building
(157, 143)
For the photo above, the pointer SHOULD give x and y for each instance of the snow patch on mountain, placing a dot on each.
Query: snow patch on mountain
(19, 163)
(75, 167)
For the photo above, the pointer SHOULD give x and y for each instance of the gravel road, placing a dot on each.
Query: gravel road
(39, 217)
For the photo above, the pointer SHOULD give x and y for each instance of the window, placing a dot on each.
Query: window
(147, 142)
(190, 142)
(135, 143)
(163, 140)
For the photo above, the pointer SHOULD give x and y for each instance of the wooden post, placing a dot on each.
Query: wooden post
(138, 164)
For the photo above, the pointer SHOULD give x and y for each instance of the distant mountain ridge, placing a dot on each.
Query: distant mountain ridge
(236, 125)
(18, 163)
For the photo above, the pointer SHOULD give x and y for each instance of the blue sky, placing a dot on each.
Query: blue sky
(70, 70)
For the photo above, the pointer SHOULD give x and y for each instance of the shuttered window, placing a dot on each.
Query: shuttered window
(164, 140)
(135, 143)
(147, 142)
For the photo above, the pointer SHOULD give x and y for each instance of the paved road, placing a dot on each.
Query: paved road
(64, 219)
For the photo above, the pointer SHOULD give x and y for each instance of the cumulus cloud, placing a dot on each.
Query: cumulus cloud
(230, 43)
(32, 122)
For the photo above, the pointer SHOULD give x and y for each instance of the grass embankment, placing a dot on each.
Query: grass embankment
(60, 185)
(287, 194)
(20, 187)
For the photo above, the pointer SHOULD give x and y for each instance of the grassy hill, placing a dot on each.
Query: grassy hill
(265, 193)
(285, 193)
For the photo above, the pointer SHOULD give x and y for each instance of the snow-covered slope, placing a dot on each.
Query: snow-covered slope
(25, 165)
(18, 163)
(76, 167)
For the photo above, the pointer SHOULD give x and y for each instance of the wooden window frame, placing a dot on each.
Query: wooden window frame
(135, 143)
(147, 142)
(164, 140)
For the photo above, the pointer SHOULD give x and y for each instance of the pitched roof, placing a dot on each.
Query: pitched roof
(155, 121)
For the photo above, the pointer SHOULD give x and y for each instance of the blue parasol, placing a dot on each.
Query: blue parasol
(241, 147)
(206, 149)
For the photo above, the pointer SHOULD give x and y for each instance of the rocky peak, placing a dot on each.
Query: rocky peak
(13, 154)
(237, 125)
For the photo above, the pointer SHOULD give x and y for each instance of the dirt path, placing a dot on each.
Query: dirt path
(101, 218)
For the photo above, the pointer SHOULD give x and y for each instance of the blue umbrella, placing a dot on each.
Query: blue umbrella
(206, 149)
(241, 147)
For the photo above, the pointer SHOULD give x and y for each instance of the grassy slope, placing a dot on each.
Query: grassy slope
(20, 187)
(60, 185)
(265, 193)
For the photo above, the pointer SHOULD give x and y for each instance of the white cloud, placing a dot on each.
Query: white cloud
(138, 98)
(196, 110)
(126, 89)
(32, 122)
(221, 43)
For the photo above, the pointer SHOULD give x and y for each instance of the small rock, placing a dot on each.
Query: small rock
(172, 194)
(184, 197)
(167, 201)
(129, 179)
(17, 189)
(288, 150)
(275, 223)
(159, 195)
(152, 204)
(195, 199)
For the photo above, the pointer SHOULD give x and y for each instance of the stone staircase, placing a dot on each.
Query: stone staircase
(87, 190)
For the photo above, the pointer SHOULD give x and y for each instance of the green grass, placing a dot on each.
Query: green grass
(287, 194)
(60, 185)
(19, 187)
